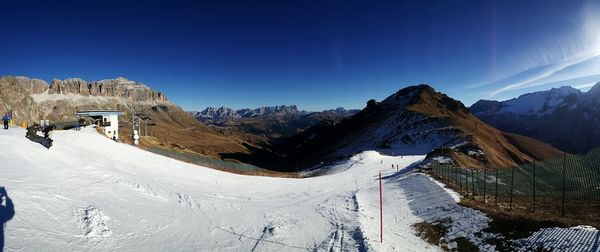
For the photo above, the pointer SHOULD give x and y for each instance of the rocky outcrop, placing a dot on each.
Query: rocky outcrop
(32, 86)
(119, 87)
(33, 99)
(14, 96)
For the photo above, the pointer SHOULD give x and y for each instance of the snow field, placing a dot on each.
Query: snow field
(90, 193)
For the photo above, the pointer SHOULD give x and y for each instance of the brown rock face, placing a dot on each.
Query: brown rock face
(119, 88)
(32, 86)
(14, 95)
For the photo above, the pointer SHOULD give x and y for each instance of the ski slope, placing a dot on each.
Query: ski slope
(90, 193)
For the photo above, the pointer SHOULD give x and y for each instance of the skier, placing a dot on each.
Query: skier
(6, 119)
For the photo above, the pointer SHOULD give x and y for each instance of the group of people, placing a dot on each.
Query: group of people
(32, 135)
(6, 120)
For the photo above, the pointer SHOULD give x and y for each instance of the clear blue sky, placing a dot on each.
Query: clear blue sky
(315, 54)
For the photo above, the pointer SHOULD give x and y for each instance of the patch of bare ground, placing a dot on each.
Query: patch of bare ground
(434, 232)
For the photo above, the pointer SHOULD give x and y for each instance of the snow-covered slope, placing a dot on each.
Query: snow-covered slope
(90, 193)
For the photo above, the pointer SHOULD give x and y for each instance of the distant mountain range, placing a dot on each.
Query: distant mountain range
(267, 123)
(564, 117)
(213, 115)
(415, 120)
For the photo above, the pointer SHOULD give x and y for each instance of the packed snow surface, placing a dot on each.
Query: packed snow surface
(90, 193)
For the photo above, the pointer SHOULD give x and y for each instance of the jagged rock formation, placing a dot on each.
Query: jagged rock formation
(564, 117)
(212, 114)
(60, 100)
(119, 87)
(32, 86)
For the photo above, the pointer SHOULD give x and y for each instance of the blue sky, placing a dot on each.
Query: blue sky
(315, 54)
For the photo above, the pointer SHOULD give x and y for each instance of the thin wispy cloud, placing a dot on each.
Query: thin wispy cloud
(584, 86)
(554, 61)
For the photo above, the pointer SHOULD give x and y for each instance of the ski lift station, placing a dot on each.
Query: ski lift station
(108, 120)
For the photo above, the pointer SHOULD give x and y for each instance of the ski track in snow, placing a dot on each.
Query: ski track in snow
(90, 193)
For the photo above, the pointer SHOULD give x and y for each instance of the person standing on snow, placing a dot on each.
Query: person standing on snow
(6, 119)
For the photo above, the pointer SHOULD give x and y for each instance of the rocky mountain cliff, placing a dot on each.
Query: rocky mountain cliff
(415, 120)
(35, 99)
(32, 100)
(564, 117)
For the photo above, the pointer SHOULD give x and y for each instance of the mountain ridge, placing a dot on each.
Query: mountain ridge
(415, 120)
(564, 117)
(213, 114)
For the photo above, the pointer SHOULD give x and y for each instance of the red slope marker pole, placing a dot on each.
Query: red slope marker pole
(380, 211)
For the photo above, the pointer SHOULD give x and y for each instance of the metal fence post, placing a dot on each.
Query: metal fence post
(533, 186)
(473, 182)
(476, 177)
(496, 198)
(380, 211)
(467, 181)
(446, 172)
(512, 179)
(484, 183)
(563, 182)
(454, 177)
